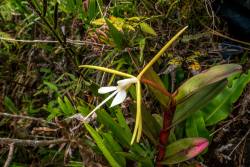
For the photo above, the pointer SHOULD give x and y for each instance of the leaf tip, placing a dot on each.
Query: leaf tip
(199, 145)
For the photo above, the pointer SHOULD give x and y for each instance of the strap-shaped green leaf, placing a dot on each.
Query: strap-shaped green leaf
(197, 100)
(114, 148)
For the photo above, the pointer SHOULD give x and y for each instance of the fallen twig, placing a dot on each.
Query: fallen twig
(27, 117)
(10, 155)
(32, 143)
(69, 41)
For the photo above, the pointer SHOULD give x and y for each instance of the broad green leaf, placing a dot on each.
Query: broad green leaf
(9, 105)
(210, 76)
(197, 101)
(221, 106)
(116, 35)
(147, 29)
(184, 149)
(99, 141)
(196, 127)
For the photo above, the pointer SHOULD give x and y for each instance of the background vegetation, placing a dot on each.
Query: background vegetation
(42, 43)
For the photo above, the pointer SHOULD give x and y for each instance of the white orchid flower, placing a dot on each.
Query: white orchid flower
(119, 92)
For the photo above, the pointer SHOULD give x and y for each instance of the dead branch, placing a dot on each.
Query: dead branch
(33, 143)
(10, 155)
(27, 117)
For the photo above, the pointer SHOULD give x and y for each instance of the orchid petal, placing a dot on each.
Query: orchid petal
(119, 98)
(99, 106)
(107, 89)
(124, 82)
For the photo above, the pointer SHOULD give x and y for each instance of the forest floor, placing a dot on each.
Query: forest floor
(42, 46)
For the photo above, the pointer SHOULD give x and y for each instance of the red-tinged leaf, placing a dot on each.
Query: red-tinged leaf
(208, 77)
(184, 149)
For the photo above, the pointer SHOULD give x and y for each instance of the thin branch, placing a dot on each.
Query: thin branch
(33, 143)
(68, 50)
(27, 117)
(226, 37)
(69, 41)
(245, 136)
(10, 155)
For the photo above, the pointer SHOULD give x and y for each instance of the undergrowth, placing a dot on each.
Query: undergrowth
(42, 45)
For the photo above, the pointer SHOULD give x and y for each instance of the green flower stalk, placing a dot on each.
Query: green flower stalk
(119, 91)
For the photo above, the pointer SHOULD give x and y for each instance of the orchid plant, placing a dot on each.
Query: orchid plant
(119, 91)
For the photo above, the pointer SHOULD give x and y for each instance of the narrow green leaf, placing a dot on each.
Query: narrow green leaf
(102, 147)
(63, 106)
(147, 29)
(145, 162)
(116, 35)
(70, 108)
(52, 86)
(9, 105)
(142, 43)
(121, 135)
(122, 121)
(104, 118)
(114, 148)
(92, 9)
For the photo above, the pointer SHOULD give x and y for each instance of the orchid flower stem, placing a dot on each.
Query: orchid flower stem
(103, 102)
(107, 70)
(158, 55)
